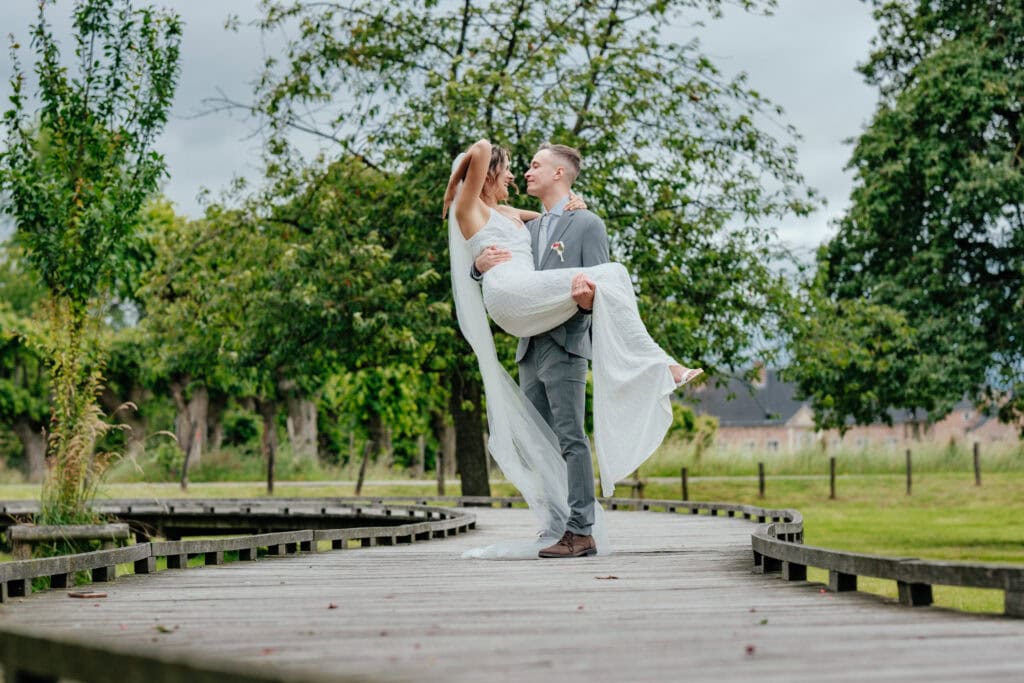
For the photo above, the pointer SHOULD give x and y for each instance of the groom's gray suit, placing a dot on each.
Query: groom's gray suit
(553, 365)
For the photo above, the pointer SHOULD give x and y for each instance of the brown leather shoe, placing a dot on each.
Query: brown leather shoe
(571, 545)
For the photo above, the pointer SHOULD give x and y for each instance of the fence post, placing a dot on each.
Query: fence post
(760, 479)
(439, 463)
(832, 477)
(977, 464)
(909, 473)
(639, 485)
(362, 467)
(686, 489)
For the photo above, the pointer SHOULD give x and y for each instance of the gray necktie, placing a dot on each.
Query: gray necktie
(542, 237)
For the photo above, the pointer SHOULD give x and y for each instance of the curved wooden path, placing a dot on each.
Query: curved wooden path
(685, 606)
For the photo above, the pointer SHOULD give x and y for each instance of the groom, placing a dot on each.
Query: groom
(553, 365)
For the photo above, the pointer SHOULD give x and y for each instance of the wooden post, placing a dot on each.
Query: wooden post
(362, 467)
(439, 464)
(686, 490)
(909, 473)
(832, 477)
(638, 485)
(977, 464)
(760, 480)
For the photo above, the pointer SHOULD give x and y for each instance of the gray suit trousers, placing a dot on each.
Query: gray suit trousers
(555, 381)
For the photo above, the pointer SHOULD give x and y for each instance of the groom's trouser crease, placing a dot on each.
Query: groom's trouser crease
(555, 381)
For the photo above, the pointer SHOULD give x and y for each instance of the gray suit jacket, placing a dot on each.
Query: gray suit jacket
(585, 242)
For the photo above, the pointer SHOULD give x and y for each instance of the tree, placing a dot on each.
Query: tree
(675, 158)
(24, 382)
(77, 170)
(278, 296)
(925, 276)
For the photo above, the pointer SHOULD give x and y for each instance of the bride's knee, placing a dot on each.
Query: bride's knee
(618, 270)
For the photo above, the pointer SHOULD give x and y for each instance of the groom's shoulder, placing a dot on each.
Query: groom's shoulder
(589, 219)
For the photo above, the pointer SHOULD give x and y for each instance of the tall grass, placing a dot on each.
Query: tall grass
(242, 464)
(675, 454)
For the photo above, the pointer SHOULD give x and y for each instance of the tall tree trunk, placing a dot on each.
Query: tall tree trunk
(378, 433)
(387, 449)
(421, 456)
(190, 425)
(268, 411)
(33, 441)
(444, 433)
(302, 422)
(465, 405)
(215, 421)
(182, 422)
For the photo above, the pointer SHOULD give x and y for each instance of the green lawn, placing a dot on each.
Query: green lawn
(946, 517)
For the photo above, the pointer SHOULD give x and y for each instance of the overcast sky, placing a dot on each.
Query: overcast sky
(803, 58)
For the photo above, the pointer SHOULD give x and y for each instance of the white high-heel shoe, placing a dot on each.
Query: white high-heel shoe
(689, 374)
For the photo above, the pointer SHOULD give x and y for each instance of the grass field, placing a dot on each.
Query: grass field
(946, 517)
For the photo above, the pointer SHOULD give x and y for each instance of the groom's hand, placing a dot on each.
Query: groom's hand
(490, 257)
(583, 289)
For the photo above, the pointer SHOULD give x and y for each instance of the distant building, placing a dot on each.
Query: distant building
(767, 417)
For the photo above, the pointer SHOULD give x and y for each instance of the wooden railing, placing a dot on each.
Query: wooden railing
(423, 524)
(776, 551)
(777, 544)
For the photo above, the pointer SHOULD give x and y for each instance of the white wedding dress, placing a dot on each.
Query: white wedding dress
(632, 380)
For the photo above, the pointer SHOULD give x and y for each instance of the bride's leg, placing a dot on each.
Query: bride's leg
(616, 273)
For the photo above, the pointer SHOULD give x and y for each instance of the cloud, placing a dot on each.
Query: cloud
(802, 58)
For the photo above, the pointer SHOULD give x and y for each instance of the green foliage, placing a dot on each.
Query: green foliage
(924, 280)
(23, 376)
(24, 381)
(20, 288)
(856, 359)
(76, 170)
(674, 157)
(241, 427)
(181, 325)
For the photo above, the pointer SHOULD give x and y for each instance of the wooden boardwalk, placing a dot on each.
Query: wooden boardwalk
(684, 606)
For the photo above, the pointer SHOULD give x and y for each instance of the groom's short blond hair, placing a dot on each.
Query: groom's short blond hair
(569, 156)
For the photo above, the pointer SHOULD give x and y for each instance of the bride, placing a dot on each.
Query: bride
(633, 377)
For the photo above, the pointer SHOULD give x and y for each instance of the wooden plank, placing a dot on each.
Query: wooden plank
(35, 656)
(684, 604)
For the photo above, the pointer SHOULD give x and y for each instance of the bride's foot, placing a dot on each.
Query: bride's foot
(683, 375)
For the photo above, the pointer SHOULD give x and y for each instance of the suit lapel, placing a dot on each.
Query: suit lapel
(556, 236)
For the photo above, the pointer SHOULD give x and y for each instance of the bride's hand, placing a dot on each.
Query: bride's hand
(575, 203)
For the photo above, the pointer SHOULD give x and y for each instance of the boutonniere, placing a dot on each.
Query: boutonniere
(559, 248)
